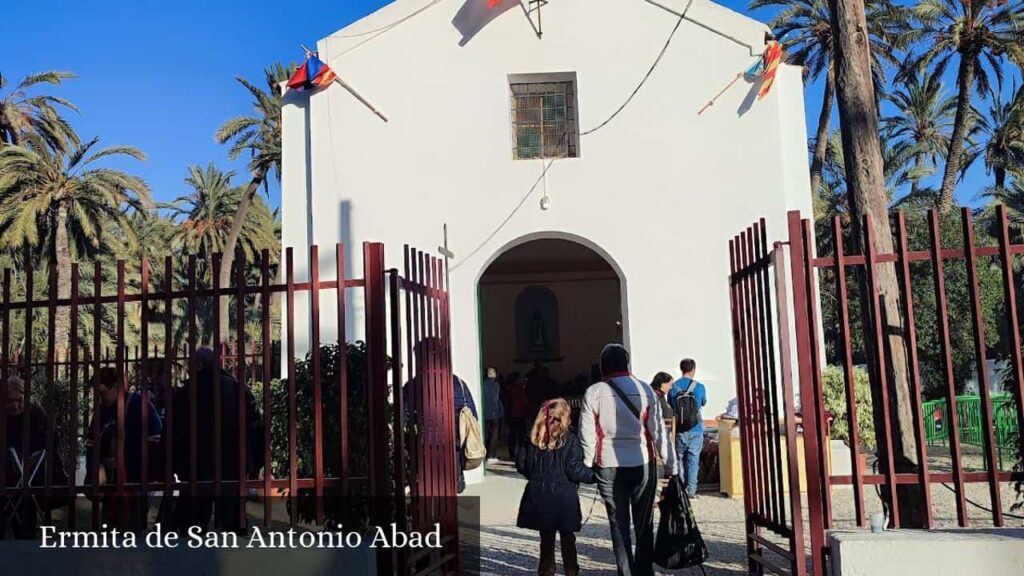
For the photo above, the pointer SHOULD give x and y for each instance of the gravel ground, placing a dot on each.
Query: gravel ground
(508, 550)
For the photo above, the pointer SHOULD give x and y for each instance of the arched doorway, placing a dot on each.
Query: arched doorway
(547, 306)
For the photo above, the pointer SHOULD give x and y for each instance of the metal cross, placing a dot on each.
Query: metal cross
(448, 254)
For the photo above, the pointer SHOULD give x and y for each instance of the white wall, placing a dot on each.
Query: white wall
(659, 191)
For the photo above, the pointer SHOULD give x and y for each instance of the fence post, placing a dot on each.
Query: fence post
(376, 354)
(802, 321)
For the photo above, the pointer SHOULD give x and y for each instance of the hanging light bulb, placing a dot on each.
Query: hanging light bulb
(545, 202)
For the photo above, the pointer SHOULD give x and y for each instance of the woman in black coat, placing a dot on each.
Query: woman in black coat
(553, 465)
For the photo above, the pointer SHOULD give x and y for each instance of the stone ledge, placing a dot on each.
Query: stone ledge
(950, 552)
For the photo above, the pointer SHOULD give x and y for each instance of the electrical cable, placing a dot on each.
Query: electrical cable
(387, 27)
(650, 71)
(550, 161)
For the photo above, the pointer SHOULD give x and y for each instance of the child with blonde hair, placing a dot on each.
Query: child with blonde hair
(552, 463)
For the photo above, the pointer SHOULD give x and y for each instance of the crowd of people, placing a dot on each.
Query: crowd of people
(626, 436)
(142, 421)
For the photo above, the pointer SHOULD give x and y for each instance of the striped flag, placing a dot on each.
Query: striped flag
(769, 66)
(313, 73)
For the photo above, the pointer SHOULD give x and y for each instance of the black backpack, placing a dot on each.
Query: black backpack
(686, 409)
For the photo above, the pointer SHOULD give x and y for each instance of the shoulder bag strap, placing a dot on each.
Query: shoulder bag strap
(625, 400)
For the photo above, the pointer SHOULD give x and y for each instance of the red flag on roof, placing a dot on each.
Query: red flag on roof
(766, 67)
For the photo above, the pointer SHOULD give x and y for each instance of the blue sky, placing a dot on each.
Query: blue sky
(159, 75)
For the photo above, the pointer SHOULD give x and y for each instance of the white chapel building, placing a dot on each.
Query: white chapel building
(568, 232)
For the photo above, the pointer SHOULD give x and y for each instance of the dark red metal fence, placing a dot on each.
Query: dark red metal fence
(406, 473)
(758, 341)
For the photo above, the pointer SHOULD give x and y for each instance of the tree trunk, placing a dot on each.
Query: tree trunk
(1000, 176)
(230, 245)
(964, 83)
(866, 184)
(915, 184)
(821, 139)
(62, 256)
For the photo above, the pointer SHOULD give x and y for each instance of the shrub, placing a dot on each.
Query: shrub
(835, 402)
(350, 510)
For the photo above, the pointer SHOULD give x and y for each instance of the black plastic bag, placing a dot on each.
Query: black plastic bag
(678, 544)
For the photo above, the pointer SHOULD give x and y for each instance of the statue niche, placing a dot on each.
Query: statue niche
(537, 325)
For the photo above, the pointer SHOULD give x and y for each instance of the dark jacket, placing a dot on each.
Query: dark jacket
(206, 429)
(550, 501)
(133, 438)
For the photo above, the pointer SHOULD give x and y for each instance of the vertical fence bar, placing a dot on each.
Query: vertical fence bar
(339, 261)
(849, 372)
(168, 386)
(242, 385)
(773, 394)
(1010, 295)
(122, 390)
(802, 321)
(938, 271)
(971, 261)
(218, 401)
(293, 466)
(397, 400)
(142, 377)
(767, 490)
(192, 375)
(49, 402)
(447, 378)
(796, 540)
(268, 468)
(881, 373)
(915, 370)
(314, 325)
(446, 331)
(409, 416)
(742, 393)
(419, 378)
(817, 367)
(97, 318)
(376, 339)
(768, 377)
(73, 391)
(754, 384)
(26, 453)
(5, 344)
(432, 418)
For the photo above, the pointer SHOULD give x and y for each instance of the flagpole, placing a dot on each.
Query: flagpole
(351, 90)
(720, 92)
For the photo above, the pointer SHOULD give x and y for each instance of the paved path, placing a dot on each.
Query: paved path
(509, 550)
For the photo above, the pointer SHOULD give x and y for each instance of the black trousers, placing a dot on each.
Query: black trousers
(516, 435)
(628, 494)
(570, 565)
(493, 435)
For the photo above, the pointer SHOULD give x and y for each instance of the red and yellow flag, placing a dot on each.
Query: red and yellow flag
(770, 61)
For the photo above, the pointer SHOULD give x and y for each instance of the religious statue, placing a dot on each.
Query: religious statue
(538, 341)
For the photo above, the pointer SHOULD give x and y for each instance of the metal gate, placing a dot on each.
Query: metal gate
(424, 452)
(764, 381)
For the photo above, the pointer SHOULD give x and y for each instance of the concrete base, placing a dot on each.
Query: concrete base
(992, 552)
(25, 558)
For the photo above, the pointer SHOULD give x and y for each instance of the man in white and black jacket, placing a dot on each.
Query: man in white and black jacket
(623, 432)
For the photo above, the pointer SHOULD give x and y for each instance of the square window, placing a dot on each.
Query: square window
(544, 118)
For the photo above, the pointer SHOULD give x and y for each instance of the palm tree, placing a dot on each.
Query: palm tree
(65, 206)
(923, 123)
(259, 135)
(981, 34)
(21, 111)
(205, 216)
(806, 34)
(1004, 135)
